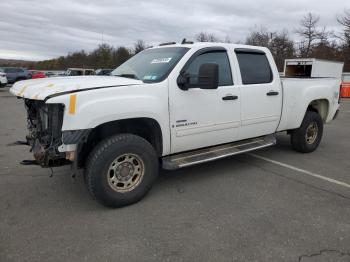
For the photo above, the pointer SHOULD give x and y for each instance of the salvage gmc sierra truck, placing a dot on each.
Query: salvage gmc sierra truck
(173, 106)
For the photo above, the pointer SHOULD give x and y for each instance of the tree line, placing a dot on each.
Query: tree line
(314, 40)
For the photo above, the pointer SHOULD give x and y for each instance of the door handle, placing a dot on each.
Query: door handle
(229, 97)
(272, 93)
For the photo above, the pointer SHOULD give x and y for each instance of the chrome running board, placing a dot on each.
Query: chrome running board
(216, 152)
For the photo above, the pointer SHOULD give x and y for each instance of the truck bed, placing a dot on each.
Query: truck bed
(299, 92)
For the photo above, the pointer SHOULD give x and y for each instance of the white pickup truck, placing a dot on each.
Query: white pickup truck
(174, 105)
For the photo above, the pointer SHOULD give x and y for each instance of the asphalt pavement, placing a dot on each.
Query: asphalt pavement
(272, 205)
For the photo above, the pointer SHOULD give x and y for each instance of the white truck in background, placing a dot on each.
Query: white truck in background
(174, 105)
(312, 68)
(3, 79)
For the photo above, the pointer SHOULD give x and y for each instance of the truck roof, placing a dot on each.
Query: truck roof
(198, 45)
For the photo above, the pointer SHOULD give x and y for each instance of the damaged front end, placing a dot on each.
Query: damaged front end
(45, 135)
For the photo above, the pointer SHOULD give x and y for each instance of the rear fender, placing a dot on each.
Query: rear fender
(297, 100)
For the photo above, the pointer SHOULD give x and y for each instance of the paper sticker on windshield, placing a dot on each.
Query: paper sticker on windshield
(161, 60)
(149, 77)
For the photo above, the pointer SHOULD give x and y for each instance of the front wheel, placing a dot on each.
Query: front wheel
(308, 136)
(121, 170)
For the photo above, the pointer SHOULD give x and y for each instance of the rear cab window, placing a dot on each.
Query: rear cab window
(254, 66)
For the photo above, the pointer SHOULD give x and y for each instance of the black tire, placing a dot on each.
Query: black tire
(99, 165)
(299, 139)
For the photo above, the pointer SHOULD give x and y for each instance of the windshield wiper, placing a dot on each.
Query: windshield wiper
(128, 76)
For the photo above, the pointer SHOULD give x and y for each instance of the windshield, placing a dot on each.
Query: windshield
(151, 65)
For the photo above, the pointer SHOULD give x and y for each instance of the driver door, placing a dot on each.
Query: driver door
(204, 117)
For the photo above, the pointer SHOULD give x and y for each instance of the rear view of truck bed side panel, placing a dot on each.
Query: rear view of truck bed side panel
(299, 93)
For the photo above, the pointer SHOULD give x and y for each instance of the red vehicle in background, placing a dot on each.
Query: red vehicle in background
(37, 74)
(345, 86)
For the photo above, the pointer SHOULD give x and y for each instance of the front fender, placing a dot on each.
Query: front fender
(95, 107)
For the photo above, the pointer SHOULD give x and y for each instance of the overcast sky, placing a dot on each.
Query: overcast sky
(42, 29)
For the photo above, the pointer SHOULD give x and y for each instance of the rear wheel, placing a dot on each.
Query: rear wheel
(307, 138)
(121, 170)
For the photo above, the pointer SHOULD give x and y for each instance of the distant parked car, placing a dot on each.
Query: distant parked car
(79, 72)
(103, 72)
(3, 79)
(15, 74)
(55, 73)
(37, 74)
(50, 74)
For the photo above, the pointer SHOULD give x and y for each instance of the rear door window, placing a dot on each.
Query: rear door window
(255, 67)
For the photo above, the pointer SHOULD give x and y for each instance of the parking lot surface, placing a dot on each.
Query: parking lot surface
(271, 205)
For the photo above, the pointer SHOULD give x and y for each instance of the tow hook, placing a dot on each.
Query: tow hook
(19, 143)
(29, 162)
(35, 163)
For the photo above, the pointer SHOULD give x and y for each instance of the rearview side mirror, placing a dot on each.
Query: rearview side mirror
(183, 81)
(208, 76)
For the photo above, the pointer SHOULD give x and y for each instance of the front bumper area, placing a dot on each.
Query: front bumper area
(48, 157)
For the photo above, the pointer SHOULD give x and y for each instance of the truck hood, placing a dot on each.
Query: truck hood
(40, 89)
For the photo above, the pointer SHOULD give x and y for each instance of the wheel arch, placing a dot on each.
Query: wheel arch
(147, 128)
(321, 106)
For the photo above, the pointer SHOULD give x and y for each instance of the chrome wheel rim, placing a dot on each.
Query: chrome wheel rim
(125, 173)
(311, 133)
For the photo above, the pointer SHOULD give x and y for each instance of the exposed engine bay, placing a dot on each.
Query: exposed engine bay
(44, 132)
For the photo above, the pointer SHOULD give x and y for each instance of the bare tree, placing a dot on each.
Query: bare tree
(228, 39)
(281, 47)
(139, 46)
(100, 57)
(120, 55)
(206, 37)
(324, 35)
(279, 43)
(344, 20)
(260, 37)
(309, 32)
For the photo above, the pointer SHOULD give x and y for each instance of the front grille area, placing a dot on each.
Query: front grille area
(44, 132)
